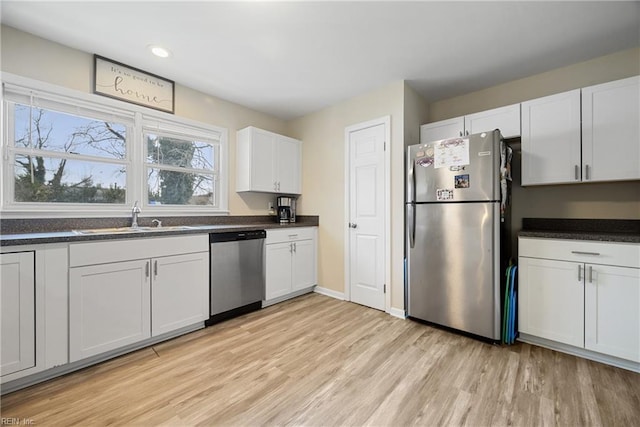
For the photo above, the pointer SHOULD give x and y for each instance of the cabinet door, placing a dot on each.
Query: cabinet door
(179, 291)
(551, 139)
(610, 131)
(17, 312)
(109, 307)
(278, 270)
(507, 119)
(441, 130)
(612, 311)
(551, 300)
(304, 264)
(263, 160)
(288, 169)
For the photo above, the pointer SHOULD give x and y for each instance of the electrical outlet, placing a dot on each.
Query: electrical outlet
(272, 211)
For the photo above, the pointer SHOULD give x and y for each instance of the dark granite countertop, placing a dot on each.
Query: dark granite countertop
(23, 233)
(603, 230)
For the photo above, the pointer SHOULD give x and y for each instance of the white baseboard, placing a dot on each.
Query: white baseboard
(581, 352)
(396, 312)
(329, 292)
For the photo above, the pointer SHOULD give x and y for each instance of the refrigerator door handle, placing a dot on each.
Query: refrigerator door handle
(411, 220)
(411, 182)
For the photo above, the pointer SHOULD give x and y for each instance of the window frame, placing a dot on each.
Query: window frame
(17, 89)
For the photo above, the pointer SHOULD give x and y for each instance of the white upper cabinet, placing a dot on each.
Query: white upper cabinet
(551, 139)
(441, 130)
(611, 131)
(507, 119)
(267, 162)
(288, 155)
(588, 134)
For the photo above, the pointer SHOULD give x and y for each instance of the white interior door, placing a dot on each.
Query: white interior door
(367, 215)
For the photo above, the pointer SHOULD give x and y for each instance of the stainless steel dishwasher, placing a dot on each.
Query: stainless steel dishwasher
(236, 274)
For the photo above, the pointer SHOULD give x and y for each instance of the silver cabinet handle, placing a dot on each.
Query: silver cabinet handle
(577, 172)
(466, 132)
(586, 172)
(585, 253)
(590, 274)
(579, 273)
(460, 133)
(290, 248)
(295, 247)
(155, 268)
(353, 225)
(275, 185)
(146, 269)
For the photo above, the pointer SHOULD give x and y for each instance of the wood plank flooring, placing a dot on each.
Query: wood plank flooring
(317, 361)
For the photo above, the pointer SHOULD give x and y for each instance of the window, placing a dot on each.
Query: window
(180, 171)
(67, 152)
(65, 158)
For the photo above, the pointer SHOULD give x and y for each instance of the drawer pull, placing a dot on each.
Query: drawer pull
(590, 274)
(585, 253)
(579, 273)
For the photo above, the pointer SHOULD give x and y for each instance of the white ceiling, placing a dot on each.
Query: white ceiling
(292, 58)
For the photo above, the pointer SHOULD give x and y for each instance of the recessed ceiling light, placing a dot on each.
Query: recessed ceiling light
(159, 51)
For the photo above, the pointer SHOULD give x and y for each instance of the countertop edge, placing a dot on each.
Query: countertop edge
(601, 237)
(70, 236)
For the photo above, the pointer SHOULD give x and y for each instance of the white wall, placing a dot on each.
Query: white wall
(323, 183)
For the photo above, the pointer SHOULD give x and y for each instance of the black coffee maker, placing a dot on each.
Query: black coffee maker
(286, 209)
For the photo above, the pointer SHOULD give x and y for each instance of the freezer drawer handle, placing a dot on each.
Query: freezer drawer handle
(585, 253)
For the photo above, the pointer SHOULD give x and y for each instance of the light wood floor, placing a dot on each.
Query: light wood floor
(317, 361)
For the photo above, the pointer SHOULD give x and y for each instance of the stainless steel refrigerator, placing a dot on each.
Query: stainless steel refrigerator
(453, 233)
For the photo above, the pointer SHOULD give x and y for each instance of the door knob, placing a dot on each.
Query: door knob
(353, 225)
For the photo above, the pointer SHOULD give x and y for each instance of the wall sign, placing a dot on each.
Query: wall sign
(120, 81)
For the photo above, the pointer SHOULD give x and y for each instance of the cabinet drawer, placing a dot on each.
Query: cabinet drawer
(103, 252)
(290, 234)
(619, 254)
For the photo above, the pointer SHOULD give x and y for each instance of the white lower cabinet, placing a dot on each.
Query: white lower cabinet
(581, 293)
(119, 303)
(177, 293)
(17, 299)
(291, 262)
(303, 268)
(551, 300)
(278, 265)
(109, 307)
(612, 299)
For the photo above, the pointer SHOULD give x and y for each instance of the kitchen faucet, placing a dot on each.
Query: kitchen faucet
(134, 215)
